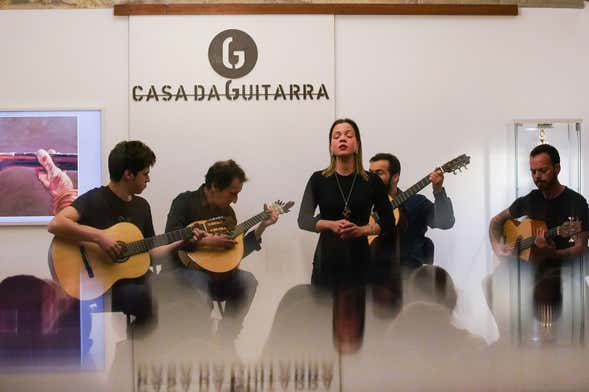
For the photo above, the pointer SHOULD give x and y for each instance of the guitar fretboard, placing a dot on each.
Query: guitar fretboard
(146, 244)
(248, 224)
(528, 242)
(402, 198)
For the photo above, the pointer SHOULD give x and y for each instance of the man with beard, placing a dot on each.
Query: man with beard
(416, 214)
(552, 203)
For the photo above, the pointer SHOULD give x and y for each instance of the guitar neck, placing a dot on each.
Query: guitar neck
(402, 198)
(29, 159)
(248, 224)
(528, 242)
(146, 244)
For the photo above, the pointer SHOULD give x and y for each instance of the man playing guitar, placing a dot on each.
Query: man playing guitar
(223, 183)
(129, 164)
(417, 212)
(552, 203)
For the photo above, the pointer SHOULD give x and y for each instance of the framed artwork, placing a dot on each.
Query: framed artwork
(46, 155)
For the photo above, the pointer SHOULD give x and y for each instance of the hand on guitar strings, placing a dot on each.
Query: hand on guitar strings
(197, 235)
(111, 247)
(264, 224)
(219, 241)
(437, 179)
(273, 216)
(543, 248)
(504, 250)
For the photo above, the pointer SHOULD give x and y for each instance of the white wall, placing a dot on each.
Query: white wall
(60, 59)
(424, 88)
(430, 88)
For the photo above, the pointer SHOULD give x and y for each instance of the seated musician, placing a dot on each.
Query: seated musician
(85, 219)
(417, 213)
(552, 203)
(223, 183)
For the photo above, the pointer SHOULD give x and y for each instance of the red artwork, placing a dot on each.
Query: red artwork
(38, 164)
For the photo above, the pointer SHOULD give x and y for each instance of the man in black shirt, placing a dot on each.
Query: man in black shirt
(223, 183)
(129, 164)
(552, 203)
(539, 282)
(417, 212)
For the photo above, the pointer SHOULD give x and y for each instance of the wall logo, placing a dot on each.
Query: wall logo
(233, 53)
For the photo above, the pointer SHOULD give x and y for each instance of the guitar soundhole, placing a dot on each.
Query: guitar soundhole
(123, 257)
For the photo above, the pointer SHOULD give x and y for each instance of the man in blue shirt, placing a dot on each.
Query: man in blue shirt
(416, 214)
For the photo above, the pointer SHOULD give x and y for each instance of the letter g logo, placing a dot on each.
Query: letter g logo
(233, 54)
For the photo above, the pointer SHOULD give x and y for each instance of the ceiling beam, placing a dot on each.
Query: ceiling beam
(359, 8)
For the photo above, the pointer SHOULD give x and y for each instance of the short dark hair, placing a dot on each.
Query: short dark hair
(551, 151)
(222, 173)
(132, 155)
(394, 164)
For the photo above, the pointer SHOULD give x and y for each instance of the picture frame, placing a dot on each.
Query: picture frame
(29, 189)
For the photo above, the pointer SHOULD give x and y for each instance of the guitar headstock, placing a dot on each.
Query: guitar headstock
(455, 164)
(280, 207)
(569, 228)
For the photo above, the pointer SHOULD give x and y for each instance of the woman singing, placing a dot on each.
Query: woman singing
(345, 193)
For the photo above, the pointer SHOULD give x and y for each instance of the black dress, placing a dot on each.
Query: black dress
(338, 260)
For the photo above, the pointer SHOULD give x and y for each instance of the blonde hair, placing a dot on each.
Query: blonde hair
(358, 167)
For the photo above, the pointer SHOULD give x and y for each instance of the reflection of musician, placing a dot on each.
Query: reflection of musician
(40, 324)
(547, 302)
(349, 313)
(418, 211)
(223, 183)
(345, 194)
(552, 203)
(313, 322)
(129, 164)
(425, 327)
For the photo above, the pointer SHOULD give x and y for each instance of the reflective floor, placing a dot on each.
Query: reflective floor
(392, 329)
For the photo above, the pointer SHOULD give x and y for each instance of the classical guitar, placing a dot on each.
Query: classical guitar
(64, 161)
(456, 164)
(224, 260)
(85, 271)
(521, 235)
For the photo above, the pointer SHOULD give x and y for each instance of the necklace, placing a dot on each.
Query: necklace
(346, 211)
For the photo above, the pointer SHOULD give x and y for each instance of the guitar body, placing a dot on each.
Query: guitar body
(215, 260)
(449, 167)
(514, 230)
(371, 221)
(224, 260)
(69, 270)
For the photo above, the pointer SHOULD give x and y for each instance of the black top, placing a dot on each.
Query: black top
(335, 257)
(191, 206)
(553, 212)
(101, 208)
(421, 213)
(324, 192)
